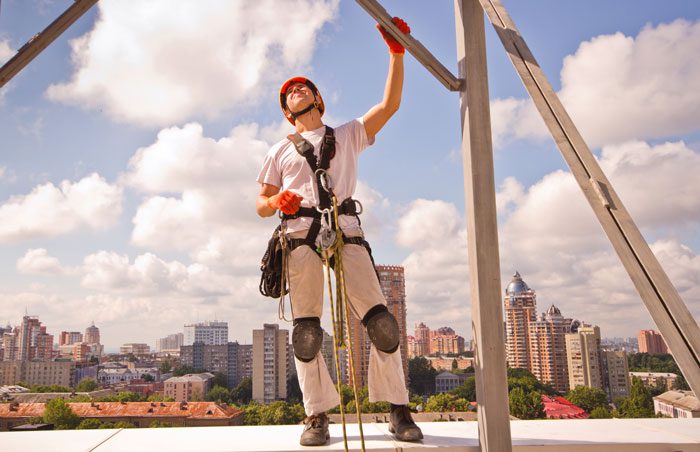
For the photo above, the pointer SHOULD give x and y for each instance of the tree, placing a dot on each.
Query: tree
(86, 385)
(243, 393)
(467, 390)
(276, 413)
(639, 403)
(525, 405)
(166, 366)
(184, 370)
(421, 376)
(160, 424)
(147, 377)
(218, 394)
(89, 424)
(587, 398)
(455, 364)
(681, 383)
(446, 402)
(124, 424)
(58, 413)
(155, 397)
(220, 379)
(601, 412)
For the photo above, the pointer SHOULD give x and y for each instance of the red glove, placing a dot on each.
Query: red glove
(394, 46)
(285, 201)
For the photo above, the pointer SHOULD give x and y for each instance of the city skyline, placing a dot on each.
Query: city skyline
(127, 178)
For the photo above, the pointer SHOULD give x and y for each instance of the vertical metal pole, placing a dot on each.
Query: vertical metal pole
(482, 230)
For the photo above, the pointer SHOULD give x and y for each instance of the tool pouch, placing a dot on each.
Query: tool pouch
(271, 268)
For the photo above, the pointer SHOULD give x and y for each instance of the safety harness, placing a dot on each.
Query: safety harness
(323, 222)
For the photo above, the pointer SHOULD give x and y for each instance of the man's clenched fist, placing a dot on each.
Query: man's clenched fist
(285, 201)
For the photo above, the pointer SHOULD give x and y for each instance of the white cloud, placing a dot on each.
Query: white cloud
(159, 62)
(549, 233)
(618, 88)
(202, 195)
(39, 262)
(437, 277)
(49, 210)
(6, 52)
(149, 275)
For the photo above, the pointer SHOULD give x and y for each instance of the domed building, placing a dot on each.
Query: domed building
(538, 345)
(520, 306)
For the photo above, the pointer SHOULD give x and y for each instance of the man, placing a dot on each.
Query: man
(292, 180)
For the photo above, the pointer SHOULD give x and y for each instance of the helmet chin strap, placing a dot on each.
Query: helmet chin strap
(295, 115)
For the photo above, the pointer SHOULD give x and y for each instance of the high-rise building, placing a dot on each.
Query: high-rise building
(422, 336)
(37, 372)
(547, 349)
(209, 333)
(170, 343)
(329, 358)
(617, 374)
(651, 342)
(270, 363)
(412, 345)
(520, 309)
(92, 335)
(444, 341)
(70, 337)
(393, 285)
(9, 346)
(584, 359)
(245, 361)
(213, 358)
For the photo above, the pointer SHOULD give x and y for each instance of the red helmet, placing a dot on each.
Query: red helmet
(318, 102)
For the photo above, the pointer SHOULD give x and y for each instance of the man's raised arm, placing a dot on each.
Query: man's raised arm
(378, 115)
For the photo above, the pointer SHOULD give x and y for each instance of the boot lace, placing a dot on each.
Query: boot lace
(314, 421)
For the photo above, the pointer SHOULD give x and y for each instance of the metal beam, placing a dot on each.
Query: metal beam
(482, 231)
(41, 40)
(670, 314)
(412, 45)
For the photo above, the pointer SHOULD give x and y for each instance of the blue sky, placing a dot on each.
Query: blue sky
(129, 150)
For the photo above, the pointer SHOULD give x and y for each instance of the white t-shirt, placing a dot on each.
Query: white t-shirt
(283, 167)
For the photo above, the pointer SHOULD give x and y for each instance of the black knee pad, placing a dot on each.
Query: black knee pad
(382, 328)
(307, 338)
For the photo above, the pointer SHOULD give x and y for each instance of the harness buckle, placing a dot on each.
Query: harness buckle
(358, 204)
(326, 182)
(326, 235)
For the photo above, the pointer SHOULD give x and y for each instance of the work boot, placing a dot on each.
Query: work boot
(401, 424)
(315, 431)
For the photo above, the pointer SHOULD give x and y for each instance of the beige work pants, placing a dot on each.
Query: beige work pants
(385, 375)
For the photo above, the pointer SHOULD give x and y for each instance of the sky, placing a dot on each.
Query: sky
(130, 147)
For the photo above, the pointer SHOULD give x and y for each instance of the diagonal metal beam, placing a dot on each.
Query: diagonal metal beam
(41, 40)
(670, 314)
(413, 46)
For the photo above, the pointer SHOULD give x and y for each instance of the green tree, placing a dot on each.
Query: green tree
(639, 403)
(155, 397)
(86, 385)
(89, 424)
(166, 366)
(124, 424)
(58, 413)
(184, 370)
(421, 376)
(220, 379)
(243, 393)
(601, 412)
(160, 424)
(218, 393)
(276, 413)
(681, 383)
(147, 377)
(526, 405)
(106, 425)
(455, 364)
(466, 390)
(587, 398)
(446, 402)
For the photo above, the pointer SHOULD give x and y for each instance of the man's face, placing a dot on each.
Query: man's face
(299, 96)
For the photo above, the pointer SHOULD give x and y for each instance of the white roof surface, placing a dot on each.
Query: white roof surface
(637, 435)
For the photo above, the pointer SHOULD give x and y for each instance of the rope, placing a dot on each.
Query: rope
(339, 319)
